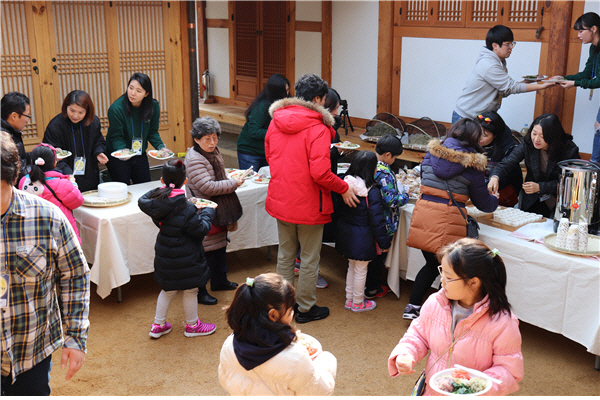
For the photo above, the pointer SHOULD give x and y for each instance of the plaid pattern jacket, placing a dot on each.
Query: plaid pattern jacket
(39, 248)
(392, 198)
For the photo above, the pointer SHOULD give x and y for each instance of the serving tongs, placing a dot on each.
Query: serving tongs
(246, 173)
(478, 374)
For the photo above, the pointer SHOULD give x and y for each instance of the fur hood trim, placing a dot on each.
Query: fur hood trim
(467, 160)
(291, 101)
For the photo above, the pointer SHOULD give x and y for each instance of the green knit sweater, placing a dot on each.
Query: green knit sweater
(252, 137)
(123, 127)
(585, 78)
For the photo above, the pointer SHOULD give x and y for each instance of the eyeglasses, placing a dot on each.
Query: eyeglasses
(444, 278)
(509, 44)
(24, 115)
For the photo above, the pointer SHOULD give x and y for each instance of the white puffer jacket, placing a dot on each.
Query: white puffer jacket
(289, 373)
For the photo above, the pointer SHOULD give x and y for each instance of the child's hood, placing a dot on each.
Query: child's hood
(357, 184)
(162, 209)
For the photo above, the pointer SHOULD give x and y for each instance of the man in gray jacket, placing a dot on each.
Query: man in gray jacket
(489, 81)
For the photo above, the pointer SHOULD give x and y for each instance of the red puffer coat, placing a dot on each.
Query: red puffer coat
(297, 150)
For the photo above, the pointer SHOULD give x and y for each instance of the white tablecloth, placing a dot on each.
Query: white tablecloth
(119, 241)
(554, 291)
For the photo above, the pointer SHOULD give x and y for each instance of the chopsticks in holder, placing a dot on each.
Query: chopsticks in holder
(479, 374)
(245, 174)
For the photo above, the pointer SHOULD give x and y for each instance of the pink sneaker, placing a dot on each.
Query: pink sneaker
(199, 329)
(367, 305)
(348, 305)
(158, 330)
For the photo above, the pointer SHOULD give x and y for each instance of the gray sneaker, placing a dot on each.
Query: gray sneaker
(411, 312)
(321, 283)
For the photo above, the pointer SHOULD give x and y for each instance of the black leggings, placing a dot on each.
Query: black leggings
(425, 278)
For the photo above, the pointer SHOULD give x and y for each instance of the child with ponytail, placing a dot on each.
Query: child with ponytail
(263, 355)
(468, 322)
(179, 262)
(46, 181)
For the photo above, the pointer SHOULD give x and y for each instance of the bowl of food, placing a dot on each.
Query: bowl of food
(312, 345)
(455, 381)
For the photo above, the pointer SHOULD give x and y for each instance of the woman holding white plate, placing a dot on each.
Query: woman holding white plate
(133, 122)
(77, 130)
(205, 170)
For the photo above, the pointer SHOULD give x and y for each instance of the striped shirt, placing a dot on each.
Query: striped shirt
(38, 247)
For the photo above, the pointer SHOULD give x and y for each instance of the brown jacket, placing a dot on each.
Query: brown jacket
(201, 183)
(437, 223)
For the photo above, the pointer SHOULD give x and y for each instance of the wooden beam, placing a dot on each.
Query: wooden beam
(112, 45)
(232, 47)
(326, 42)
(396, 65)
(309, 26)
(385, 52)
(520, 34)
(189, 71)
(215, 23)
(558, 48)
(202, 39)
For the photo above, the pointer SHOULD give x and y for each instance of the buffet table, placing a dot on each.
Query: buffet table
(119, 241)
(554, 291)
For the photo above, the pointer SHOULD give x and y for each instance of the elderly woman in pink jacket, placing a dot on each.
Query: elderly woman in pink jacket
(468, 322)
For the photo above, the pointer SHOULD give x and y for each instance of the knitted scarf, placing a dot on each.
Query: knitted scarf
(229, 209)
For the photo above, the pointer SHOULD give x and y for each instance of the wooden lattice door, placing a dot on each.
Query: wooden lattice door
(52, 48)
(260, 45)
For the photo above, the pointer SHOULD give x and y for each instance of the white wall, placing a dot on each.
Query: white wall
(434, 71)
(218, 49)
(217, 9)
(354, 56)
(308, 44)
(308, 11)
(585, 110)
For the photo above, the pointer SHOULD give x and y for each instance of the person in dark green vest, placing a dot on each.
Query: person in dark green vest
(133, 122)
(251, 142)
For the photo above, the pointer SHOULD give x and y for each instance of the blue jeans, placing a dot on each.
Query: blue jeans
(596, 144)
(246, 161)
(455, 117)
(33, 382)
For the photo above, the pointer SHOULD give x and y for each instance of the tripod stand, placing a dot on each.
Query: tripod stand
(344, 115)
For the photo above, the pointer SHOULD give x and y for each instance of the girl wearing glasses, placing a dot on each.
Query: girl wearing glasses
(588, 31)
(467, 322)
(489, 81)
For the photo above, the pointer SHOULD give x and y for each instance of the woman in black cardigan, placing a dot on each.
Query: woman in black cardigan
(544, 146)
(77, 129)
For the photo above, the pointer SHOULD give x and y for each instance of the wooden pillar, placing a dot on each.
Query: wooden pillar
(385, 56)
(202, 39)
(326, 45)
(558, 46)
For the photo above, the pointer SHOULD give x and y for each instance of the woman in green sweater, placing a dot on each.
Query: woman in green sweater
(588, 31)
(251, 142)
(133, 122)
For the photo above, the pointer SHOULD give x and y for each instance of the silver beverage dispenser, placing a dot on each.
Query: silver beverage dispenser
(577, 197)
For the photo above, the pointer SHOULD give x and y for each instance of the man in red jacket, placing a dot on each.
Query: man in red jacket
(297, 149)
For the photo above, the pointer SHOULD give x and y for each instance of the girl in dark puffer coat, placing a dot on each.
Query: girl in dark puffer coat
(179, 262)
(361, 231)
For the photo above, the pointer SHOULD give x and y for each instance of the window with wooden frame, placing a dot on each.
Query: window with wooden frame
(471, 14)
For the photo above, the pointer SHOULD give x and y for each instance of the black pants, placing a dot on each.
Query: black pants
(374, 271)
(217, 266)
(425, 278)
(33, 382)
(135, 170)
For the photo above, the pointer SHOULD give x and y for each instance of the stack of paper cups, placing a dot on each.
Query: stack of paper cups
(561, 233)
(573, 237)
(583, 236)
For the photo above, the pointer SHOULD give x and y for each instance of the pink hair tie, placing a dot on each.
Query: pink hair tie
(172, 186)
(40, 161)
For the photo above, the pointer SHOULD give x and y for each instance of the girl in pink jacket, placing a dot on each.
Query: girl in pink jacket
(50, 184)
(468, 322)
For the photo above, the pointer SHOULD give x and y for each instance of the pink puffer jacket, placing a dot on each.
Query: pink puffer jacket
(491, 345)
(66, 191)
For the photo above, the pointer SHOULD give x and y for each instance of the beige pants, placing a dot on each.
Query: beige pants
(309, 238)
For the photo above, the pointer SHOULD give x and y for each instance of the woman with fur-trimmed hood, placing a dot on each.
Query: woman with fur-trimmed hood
(436, 221)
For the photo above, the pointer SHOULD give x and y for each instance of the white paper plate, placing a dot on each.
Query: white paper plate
(448, 372)
(59, 157)
(202, 203)
(239, 172)
(351, 146)
(262, 181)
(592, 250)
(152, 153)
(314, 342)
(123, 156)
